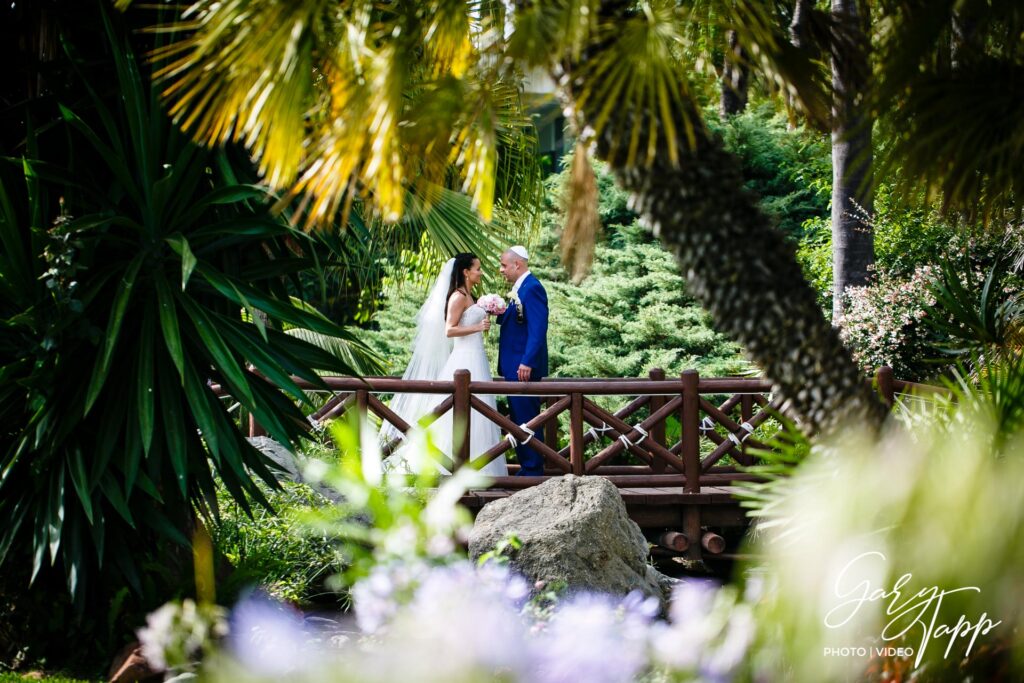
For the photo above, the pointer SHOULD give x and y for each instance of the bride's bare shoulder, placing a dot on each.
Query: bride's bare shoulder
(459, 299)
(457, 303)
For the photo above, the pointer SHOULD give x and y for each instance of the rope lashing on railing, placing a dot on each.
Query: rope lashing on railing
(627, 443)
(315, 423)
(707, 425)
(738, 440)
(512, 440)
(594, 431)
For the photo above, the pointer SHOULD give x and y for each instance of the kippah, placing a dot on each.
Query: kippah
(521, 252)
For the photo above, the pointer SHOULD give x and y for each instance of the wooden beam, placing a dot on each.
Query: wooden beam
(674, 540)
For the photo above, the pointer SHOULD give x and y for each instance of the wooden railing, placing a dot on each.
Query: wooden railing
(629, 446)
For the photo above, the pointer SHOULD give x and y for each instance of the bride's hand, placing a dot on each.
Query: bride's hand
(486, 324)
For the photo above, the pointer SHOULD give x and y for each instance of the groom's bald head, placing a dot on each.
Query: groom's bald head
(513, 264)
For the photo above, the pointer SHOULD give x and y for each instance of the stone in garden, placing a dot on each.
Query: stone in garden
(573, 529)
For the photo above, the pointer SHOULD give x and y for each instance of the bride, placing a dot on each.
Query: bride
(449, 337)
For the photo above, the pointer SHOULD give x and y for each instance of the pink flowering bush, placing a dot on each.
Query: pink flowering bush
(885, 324)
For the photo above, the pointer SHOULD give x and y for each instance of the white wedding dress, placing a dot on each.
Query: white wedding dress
(436, 358)
(468, 353)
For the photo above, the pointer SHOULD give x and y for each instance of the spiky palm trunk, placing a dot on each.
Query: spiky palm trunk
(737, 265)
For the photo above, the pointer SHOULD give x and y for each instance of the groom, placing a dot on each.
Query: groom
(523, 346)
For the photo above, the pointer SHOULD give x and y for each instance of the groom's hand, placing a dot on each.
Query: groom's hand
(524, 373)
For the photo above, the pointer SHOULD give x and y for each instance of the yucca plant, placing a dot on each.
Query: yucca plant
(121, 304)
(979, 321)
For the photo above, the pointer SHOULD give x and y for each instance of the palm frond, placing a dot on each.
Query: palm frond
(351, 101)
(353, 354)
(953, 117)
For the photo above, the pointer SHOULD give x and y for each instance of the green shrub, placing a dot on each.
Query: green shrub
(275, 550)
(629, 315)
(790, 170)
(884, 324)
(905, 238)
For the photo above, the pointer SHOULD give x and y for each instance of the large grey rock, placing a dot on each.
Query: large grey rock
(573, 529)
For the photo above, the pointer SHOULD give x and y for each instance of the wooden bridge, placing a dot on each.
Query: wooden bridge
(675, 450)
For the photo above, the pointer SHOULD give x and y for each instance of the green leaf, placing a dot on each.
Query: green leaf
(114, 161)
(147, 485)
(219, 352)
(55, 512)
(256, 354)
(108, 438)
(174, 427)
(121, 300)
(80, 479)
(199, 400)
(223, 195)
(144, 381)
(285, 312)
(157, 521)
(113, 493)
(169, 323)
(188, 260)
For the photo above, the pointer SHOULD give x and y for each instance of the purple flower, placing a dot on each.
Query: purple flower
(268, 637)
(465, 623)
(594, 638)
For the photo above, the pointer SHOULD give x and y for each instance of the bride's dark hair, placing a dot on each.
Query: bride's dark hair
(463, 262)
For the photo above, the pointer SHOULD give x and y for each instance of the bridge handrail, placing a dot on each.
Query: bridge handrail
(665, 463)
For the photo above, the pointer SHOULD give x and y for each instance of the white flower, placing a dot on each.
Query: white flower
(156, 635)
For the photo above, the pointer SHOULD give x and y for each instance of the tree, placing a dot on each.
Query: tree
(735, 77)
(621, 72)
(620, 67)
(853, 251)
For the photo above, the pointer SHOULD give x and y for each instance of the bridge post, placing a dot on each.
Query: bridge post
(884, 380)
(658, 430)
(255, 428)
(461, 418)
(689, 422)
(576, 445)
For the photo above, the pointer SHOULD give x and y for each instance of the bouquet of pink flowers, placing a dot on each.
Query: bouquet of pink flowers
(492, 303)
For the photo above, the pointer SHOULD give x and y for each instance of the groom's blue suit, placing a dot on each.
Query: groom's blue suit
(524, 340)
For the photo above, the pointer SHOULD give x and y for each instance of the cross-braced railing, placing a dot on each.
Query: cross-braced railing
(628, 444)
(674, 431)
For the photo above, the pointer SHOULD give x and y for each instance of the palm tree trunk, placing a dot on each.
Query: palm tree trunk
(740, 268)
(853, 245)
(798, 26)
(735, 78)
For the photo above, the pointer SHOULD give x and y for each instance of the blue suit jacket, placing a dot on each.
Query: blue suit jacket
(525, 342)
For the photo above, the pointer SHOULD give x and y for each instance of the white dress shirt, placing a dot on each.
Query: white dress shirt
(514, 294)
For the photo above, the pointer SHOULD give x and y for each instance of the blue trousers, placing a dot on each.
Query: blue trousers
(523, 409)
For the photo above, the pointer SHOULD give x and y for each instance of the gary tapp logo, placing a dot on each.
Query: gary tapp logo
(908, 612)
